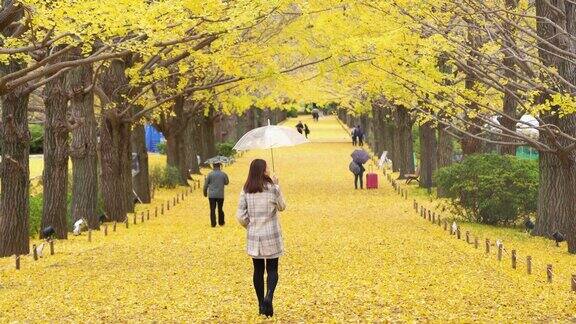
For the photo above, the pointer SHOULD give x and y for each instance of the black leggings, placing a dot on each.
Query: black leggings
(271, 266)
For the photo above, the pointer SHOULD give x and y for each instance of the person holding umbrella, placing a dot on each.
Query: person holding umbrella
(258, 209)
(214, 190)
(359, 157)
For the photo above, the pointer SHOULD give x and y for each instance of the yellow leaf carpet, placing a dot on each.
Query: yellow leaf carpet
(351, 255)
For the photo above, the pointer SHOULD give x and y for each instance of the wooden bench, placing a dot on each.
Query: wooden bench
(413, 176)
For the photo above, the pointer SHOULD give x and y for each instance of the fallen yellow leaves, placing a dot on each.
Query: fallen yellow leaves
(350, 256)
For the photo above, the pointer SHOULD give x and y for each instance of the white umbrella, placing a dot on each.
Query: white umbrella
(270, 137)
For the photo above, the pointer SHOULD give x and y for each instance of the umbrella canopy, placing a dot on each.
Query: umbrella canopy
(218, 159)
(360, 156)
(269, 137)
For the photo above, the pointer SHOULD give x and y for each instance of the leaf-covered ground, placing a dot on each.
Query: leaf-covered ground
(351, 256)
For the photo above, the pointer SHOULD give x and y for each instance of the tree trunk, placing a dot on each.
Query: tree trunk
(14, 170)
(55, 174)
(428, 148)
(84, 146)
(405, 143)
(471, 145)
(190, 148)
(115, 152)
(557, 192)
(444, 154)
(390, 139)
(141, 180)
(174, 130)
(208, 135)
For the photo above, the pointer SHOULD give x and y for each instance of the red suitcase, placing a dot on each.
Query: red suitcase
(371, 181)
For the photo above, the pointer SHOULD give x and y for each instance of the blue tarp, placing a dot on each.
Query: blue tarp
(153, 137)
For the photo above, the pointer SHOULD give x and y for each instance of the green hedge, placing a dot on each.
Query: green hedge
(36, 139)
(226, 149)
(490, 188)
(165, 177)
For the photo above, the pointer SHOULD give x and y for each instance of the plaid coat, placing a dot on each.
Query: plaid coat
(258, 213)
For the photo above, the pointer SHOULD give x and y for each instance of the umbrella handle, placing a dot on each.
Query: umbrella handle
(272, 153)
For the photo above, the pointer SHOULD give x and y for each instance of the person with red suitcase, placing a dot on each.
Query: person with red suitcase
(358, 170)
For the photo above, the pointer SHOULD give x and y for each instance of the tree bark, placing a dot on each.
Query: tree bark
(428, 149)
(14, 170)
(391, 141)
(115, 152)
(141, 180)
(83, 147)
(471, 145)
(191, 153)
(445, 150)
(405, 148)
(55, 174)
(557, 192)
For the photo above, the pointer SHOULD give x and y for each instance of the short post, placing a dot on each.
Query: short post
(529, 264)
(458, 232)
(433, 217)
(500, 252)
(114, 227)
(177, 200)
(135, 219)
(513, 259)
(148, 214)
(573, 282)
(476, 242)
(549, 273)
(445, 225)
(468, 237)
(439, 221)
(415, 204)
(162, 211)
(182, 196)
(156, 212)
(142, 217)
(487, 246)
(34, 252)
(89, 235)
(105, 229)
(429, 215)
(127, 222)
(17, 262)
(168, 205)
(51, 247)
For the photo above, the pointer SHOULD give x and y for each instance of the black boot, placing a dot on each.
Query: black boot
(267, 307)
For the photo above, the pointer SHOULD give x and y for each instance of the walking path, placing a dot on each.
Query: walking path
(351, 255)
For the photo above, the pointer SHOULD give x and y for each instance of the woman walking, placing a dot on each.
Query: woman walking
(258, 211)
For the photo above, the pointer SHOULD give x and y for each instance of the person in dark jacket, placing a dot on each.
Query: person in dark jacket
(360, 135)
(300, 127)
(354, 136)
(359, 175)
(214, 190)
(306, 130)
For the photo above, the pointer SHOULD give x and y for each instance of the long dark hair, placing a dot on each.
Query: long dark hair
(257, 177)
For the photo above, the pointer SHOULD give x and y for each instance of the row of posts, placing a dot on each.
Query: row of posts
(437, 219)
(144, 215)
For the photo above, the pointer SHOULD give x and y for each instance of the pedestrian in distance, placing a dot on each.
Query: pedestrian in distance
(300, 127)
(360, 135)
(358, 170)
(258, 209)
(354, 136)
(214, 190)
(306, 130)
